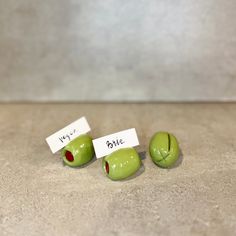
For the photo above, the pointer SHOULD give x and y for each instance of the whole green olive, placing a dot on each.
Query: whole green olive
(121, 163)
(79, 151)
(164, 149)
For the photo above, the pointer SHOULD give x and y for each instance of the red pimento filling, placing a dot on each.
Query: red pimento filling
(69, 156)
(107, 167)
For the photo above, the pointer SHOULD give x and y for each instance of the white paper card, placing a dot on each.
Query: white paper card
(62, 137)
(105, 145)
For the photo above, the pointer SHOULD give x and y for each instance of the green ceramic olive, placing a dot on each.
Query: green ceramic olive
(164, 149)
(121, 163)
(79, 151)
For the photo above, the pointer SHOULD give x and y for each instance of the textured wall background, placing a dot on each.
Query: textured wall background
(117, 50)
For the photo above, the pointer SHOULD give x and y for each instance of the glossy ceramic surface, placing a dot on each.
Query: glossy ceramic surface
(79, 151)
(121, 163)
(164, 149)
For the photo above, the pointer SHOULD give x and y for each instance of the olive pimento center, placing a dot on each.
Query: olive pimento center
(69, 156)
(107, 167)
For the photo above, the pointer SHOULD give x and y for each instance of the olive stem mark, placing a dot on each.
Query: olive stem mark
(163, 157)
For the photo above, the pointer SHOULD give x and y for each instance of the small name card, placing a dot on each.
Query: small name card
(62, 137)
(105, 145)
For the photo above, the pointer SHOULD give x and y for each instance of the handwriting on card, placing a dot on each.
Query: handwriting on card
(114, 143)
(67, 137)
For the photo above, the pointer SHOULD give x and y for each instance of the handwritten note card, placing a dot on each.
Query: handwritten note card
(105, 145)
(62, 137)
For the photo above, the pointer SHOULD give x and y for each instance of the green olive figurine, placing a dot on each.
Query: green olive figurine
(79, 151)
(164, 149)
(121, 163)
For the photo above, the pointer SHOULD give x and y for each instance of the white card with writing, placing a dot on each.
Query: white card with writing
(62, 137)
(105, 145)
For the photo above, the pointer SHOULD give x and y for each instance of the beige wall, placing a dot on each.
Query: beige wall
(117, 50)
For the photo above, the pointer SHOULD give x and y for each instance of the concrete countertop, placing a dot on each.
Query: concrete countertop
(41, 196)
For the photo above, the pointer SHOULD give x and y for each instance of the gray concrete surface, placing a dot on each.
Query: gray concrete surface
(41, 196)
(141, 50)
